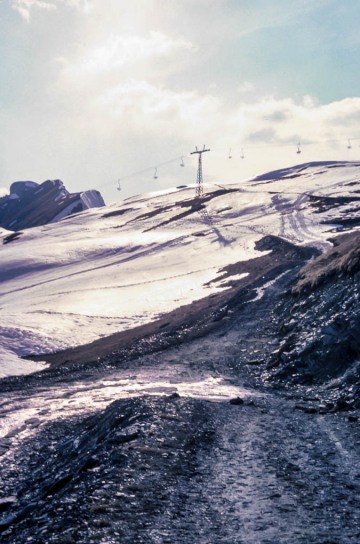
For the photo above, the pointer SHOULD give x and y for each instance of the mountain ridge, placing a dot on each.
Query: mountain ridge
(31, 204)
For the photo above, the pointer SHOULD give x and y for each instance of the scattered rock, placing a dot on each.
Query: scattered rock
(33, 421)
(6, 502)
(307, 408)
(343, 405)
(119, 438)
(237, 401)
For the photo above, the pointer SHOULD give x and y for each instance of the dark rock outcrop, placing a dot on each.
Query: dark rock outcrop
(320, 324)
(31, 204)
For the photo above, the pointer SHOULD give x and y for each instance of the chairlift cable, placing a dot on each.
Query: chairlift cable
(242, 155)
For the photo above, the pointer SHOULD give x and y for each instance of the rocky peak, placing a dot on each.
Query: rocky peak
(31, 204)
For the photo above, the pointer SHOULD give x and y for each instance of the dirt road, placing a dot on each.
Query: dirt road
(167, 469)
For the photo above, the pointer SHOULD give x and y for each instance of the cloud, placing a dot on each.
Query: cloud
(148, 108)
(119, 51)
(25, 7)
(272, 120)
(125, 76)
(344, 113)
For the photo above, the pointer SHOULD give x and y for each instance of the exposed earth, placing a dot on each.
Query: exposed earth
(233, 420)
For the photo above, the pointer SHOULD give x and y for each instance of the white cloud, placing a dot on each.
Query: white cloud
(285, 121)
(25, 7)
(119, 50)
(124, 76)
(3, 191)
(85, 5)
(151, 108)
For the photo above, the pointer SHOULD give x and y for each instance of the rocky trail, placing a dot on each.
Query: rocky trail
(171, 469)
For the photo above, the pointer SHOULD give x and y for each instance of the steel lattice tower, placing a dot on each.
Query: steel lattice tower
(199, 178)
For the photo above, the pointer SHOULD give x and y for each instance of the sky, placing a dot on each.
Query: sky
(96, 91)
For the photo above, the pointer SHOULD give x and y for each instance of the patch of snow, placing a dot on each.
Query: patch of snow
(78, 399)
(12, 365)
(68, 210)
(260, 291)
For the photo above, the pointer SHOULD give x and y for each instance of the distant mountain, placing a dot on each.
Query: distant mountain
(31, 204)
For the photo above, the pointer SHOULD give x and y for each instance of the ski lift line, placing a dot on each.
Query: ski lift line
(240, 151)
(245, 147)
(149, 168)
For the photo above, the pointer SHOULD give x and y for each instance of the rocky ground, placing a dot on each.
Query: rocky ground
(268, 454)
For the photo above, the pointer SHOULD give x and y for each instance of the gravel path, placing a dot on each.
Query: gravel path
(171, 470)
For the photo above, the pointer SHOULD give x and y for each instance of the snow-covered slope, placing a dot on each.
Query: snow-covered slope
(113, 268)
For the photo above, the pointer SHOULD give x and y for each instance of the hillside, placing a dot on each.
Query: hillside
(199, 367)
(112, 269)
